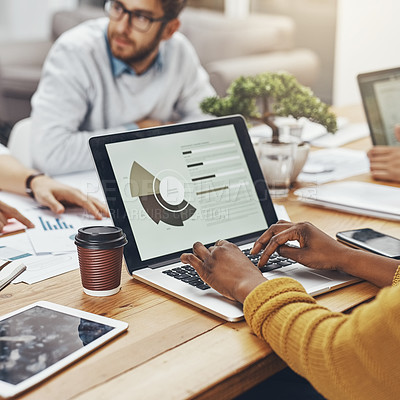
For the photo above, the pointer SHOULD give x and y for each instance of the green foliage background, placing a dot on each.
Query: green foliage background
(270, 94)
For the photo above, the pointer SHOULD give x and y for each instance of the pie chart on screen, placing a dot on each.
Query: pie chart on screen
(162, 195)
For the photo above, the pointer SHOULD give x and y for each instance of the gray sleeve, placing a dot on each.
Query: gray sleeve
(196, 87)
(3, 150)
(59, 108)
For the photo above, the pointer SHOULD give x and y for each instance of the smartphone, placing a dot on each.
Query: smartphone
(371, 240)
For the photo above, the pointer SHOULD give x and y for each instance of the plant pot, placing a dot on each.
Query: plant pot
(277, 162)
(303, 149)
(300, 158)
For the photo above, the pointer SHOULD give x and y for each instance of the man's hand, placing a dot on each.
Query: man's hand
(225, 268)
(385, 160)
(7, 212)
(317, 250)
(53, 194)
(397, 132)
(385, 163)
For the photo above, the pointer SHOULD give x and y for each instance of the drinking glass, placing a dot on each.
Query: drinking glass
(277, 161)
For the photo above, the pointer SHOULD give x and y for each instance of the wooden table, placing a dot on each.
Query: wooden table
(173, 350)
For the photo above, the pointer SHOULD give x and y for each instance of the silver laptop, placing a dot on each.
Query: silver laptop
(170, 186)
(380, 93)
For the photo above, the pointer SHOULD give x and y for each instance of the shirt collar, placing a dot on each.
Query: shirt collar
(119, 67)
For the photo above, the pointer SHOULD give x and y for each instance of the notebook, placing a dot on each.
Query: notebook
(9, 270)
(371, 199)
(170, 186)
(380, 93)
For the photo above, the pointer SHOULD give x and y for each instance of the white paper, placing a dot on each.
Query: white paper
(347, 134)
(358, 197)
(40, 268)
(9, 253)
(56, 233)
(52, 233)
(19, 242)
(313, 132)
(333, 164)
(52, 242)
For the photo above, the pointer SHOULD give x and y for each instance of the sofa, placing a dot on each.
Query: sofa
(227, 48)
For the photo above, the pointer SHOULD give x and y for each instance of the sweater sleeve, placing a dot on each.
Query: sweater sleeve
(352, 356)
(396, 278)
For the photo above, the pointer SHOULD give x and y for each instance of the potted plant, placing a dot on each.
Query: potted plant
(266, 96)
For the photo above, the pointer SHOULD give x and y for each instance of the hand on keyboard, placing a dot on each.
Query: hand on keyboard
(225, 268)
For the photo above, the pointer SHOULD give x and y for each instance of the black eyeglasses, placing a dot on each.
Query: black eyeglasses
(115, 10)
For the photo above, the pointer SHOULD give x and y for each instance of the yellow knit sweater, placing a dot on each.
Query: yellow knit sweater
(345, 357)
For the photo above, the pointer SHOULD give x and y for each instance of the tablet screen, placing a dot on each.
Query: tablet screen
(380, 93)
(40, 340)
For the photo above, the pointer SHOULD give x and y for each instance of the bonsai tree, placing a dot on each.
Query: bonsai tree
(265, 96)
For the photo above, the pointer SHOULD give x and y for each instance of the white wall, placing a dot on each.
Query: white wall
(237, 8)
(367, 39)
(315, 22)
(29, 19)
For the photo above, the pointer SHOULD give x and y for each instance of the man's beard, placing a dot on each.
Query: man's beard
(143, 53)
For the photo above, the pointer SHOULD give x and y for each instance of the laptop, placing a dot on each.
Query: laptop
(380, 94)
(170, 186)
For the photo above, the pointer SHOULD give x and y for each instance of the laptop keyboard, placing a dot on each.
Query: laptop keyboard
(187, 274)
(275, 261)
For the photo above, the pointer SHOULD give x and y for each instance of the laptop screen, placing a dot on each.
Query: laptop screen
(185, 183)
(380, 92)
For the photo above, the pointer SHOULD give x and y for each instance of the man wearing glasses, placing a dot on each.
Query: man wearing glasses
(131, 70)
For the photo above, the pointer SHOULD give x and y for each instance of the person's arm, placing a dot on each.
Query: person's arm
(46, 191)
(196, 84)
(7, 212)
(344, 357)
(385, 161)
(60, 106)
(318, 250)
(13, 174)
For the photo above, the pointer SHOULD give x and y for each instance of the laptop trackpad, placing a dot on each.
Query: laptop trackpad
(306, 277)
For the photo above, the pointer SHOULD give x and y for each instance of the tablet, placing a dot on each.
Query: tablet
(40, 339)
(380, 94)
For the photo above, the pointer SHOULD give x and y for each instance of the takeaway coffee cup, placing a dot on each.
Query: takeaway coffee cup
(100, 253)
